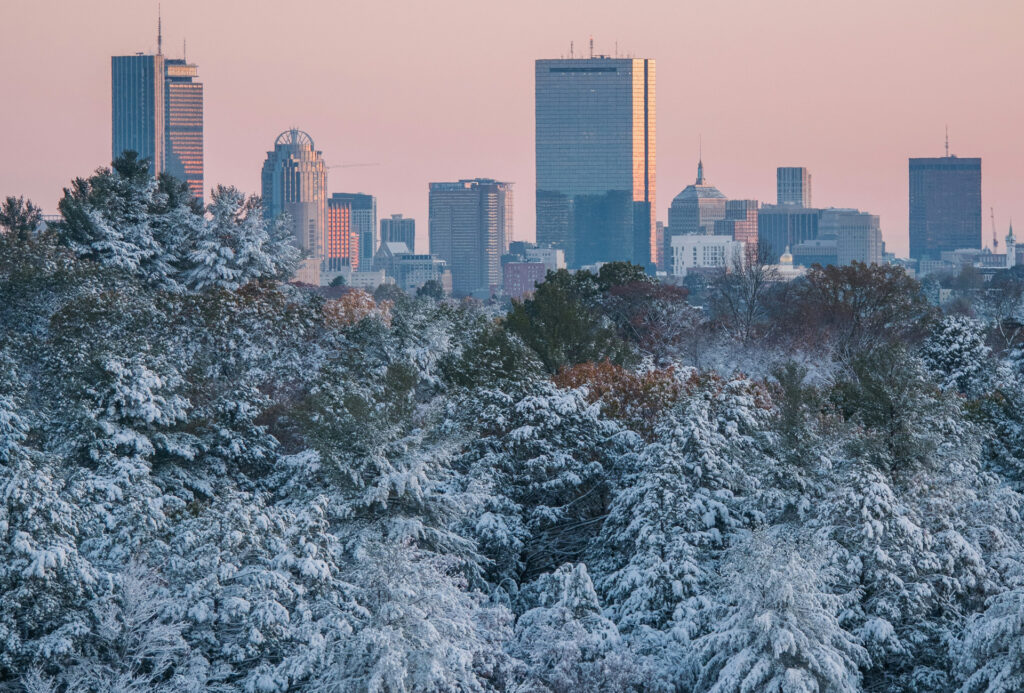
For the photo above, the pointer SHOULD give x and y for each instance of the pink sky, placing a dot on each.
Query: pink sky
(442, 90)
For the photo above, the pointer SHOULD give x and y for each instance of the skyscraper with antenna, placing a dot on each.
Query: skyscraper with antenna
(595, 154)
(157, 111)
(945, 204)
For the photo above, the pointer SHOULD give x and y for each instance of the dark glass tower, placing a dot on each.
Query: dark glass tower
(945, 205)
(595, 140)
(183, 102)
(138, 115)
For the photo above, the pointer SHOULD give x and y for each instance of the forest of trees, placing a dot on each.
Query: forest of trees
(213, 480)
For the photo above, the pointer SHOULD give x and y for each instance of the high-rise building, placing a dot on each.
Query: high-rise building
(341, 245)
(858, 235)
(784, 226)
(183, 108)
(945, 205)
(595, 149)
(693, 212)
(740, 222)
(364, 223)
(138, 109)
(470, 226)
(295, 183)
(794, 186)
(398, 229)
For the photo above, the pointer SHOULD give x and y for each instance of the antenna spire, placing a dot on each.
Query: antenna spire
(947, 141)
(184, 51)
(591, 45)
(159, 31)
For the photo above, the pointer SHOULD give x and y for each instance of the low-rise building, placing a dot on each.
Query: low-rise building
(521, 278)
(699, 251)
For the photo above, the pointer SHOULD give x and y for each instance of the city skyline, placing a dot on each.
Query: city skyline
(852, 117)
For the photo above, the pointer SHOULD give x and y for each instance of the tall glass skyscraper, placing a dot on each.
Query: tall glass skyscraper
(793, 185)
(138, 110)
(157, 111)
(183, 103)
(595, 140)
(945, 205)
(295, 183)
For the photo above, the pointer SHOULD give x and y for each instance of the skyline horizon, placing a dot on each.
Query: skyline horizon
(401, 183)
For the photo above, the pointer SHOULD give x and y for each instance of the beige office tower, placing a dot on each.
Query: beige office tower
(295, 184)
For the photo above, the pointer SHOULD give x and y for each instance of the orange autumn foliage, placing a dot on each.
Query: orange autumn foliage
(637, 399)
(353, 306)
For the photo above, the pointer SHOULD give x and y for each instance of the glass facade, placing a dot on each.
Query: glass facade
(398, 229)
(295, 183)
(793, 186)
(785, 226)
(157, 111)
(184, 124)
(470, 225)
(138, 115)
(595, 149)
(945, 205)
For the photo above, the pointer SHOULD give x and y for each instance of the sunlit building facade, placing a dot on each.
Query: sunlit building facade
(945, 205)
(596, 163)
(138, 112)
(295, 183)
(364, 223)
(341, 244)
(183, 102)
(470, 224)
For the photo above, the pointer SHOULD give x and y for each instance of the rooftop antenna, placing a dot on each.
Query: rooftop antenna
(159, 31)
(184, 52)
(616, 49)
(571, 52)
(947, 141)
(591, 45)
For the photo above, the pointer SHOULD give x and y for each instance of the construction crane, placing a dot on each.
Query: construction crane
(995, 237)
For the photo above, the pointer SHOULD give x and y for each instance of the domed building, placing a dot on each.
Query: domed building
(694, 211)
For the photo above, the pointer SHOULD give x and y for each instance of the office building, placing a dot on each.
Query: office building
(794, 186)
(596, 163)
(157, 112)
(295, 183)
(183, 107)
(520, 278)
(341, 244)
(703, 251)
(784, 226)
(857, 234)
(945, 205)
(693, 212)
(364, 223)
(398, 229)
(820, 251)
(470, 223)
(740, 222)
(409, 270)
(138, 108)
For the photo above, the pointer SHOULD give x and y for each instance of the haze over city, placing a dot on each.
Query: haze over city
(444, 90)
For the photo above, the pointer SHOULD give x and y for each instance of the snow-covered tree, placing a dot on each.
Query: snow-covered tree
(778, 628)
(956, 351)
(238, 245)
